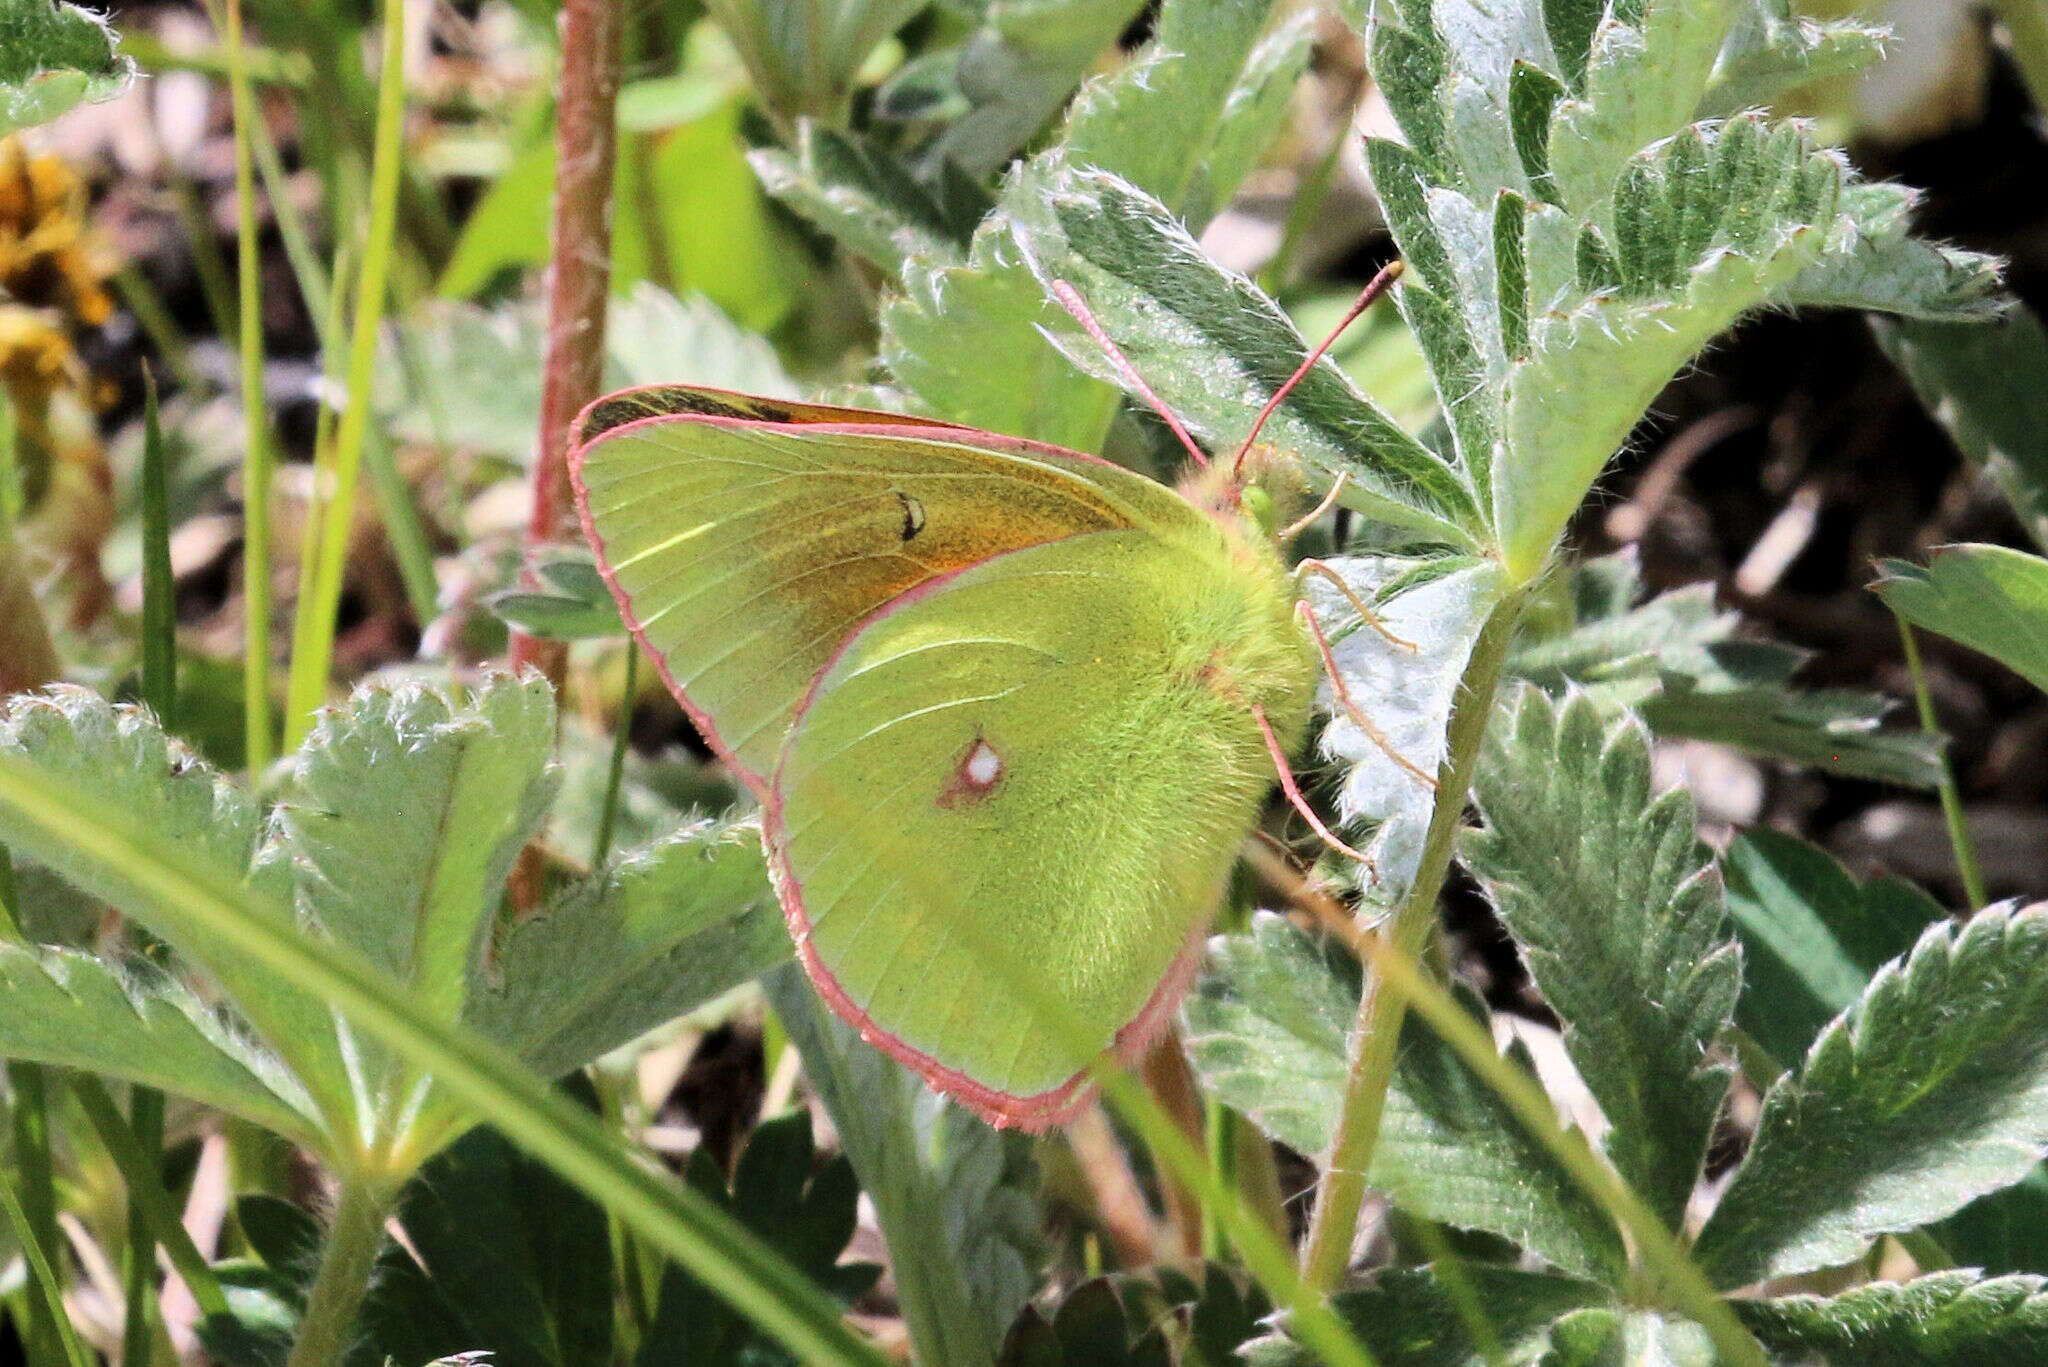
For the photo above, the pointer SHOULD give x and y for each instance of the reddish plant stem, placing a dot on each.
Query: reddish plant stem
(579, 278)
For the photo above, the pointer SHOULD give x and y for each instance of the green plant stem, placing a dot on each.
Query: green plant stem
(615, 776)
(147, 1192)
(138, 1272)
(256, 461)
(1951, 798)
(1334, 1223)
(154, 318)
(347, 1258)
(35, 1213)
(320, 599)
(2026, 23)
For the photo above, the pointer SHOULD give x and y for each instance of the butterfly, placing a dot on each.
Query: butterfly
(1008, 709)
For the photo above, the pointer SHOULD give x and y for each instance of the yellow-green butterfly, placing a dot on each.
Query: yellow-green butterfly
(996, 699)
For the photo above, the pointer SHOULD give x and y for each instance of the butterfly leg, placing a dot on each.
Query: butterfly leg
(1307, 520)
(1350, 705)
(1365, 613)
(1293, 791)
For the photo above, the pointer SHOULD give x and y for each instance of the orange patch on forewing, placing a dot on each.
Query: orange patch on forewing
(977, 773)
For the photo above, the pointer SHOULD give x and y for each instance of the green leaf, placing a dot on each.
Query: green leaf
(62, 1007)
(966, 341)
(1609, 1338)
(1876, 263)
(404, 813)
(1265, 1030)
(1707, 225)
(1403, 678)
(1946, 1319)
(1205, 85)
(1424, 1316)
(1617, 909)
(1675, 659)
(1215, 348)
(955, 1199)
(804, 1211)
(1929, 1092)
(52, 56)
(2002, 1233)
(1990, 598)
(522, 1259)
(1983, 382)
(1645, 73)
(1811, 935)
(862, 195)
(123, 760)
(1773, 50)
(1016, 71)
(804, 55)
(661, 931)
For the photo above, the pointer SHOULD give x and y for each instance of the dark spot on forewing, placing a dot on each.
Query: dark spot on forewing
(913, 515)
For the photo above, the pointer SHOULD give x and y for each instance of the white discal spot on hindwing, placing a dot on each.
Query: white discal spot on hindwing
(977, 773)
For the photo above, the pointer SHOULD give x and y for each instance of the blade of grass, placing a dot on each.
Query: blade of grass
(160, 693)
(256, 462)
(1951, 798)
(153, 316)
(335, 499)
(207, 903)
(43, 1275)
(33, 1208)
(159, 596)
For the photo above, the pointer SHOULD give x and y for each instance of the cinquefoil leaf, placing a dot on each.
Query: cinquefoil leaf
(1929, 1092)
(53, 55)
(1616, 907)
(1990, 598)
(1421, 1317)
(1946, 1319)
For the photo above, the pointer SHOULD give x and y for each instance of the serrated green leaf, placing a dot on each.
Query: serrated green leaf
(1708, 224)
(405, 810)
(1609, 1338)
(1409, 1317)
(1570, 24)
(1945, 1319)
(2002, 1233)
(660, 931)
(1644, 75)
(860, 194)
(1158, 121)
(1408, 65)
(1404, 678)
(1400, 181)
(955, 1199)
(121, 757)
(522, 1259)
(804, 1210)
(1215, 348)
(1773, 50)
(803, 55)
(52, 56)
(1929, 1092)
(1983, 382)
(1616, 907)
(1017, 69)
(1254, 112)
(62, 1007)
(1674, 659)
(554, 616)
(1511, 272)
(1990, 598)
(1878, 264)
(1811, 935)
(1265, 1030)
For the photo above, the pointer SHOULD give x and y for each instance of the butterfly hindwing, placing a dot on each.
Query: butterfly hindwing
(1037, 771)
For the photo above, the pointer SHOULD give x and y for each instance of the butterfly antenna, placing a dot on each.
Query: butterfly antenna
(1293, 791)
(1350, 705)
(1070, 300)
(1378, 286)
